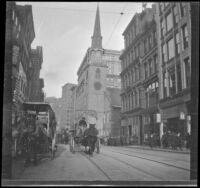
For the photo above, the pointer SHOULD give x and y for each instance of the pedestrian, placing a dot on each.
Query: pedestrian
(28, 143)
(174, 140)
(169, 139)
(179, 141)
(151, 140)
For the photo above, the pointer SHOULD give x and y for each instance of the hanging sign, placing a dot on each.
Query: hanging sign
(182, 115)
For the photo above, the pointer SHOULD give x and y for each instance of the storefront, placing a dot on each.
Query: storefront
(176, 119)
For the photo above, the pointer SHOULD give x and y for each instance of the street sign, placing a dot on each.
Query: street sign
(158, 118)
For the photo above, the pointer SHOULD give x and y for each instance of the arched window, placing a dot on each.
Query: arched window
(98, 73)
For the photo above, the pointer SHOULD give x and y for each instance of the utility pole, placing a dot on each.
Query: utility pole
(7, 96)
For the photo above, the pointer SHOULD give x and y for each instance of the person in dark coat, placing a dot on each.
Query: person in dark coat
(174, 140)
(179, 141)
(28, 142)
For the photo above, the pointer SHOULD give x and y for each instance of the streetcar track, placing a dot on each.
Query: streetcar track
(139, 169)
(105, 174)
(167, 164)
(128, 164)
(153, 155)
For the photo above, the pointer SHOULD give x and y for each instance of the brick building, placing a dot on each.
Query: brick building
(23, 35)
(139, 75)
(36, 94)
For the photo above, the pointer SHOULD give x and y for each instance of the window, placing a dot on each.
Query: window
(165, 84)
(154, 37)
(185, 36)
(128, 60)
(141, 50)
(187, 72)
(136, 74)
(150, 67)
(19, 27)
(98, 73)
(183, 9)
(179, 84)
(175, 12)
(155, 58)
(145, 70)
(130, 36)
(177, 43)
(133, 76)
(169, 21)
(164, 55)
(147, 99)
(136, 54)
(162, 27)
(138, 50)
(133, 100)
(161, 7)
(172, 82)
(150, 41)
(130, 101)
(145, 46)
(13, 15)
(133, 54)
(170, 49)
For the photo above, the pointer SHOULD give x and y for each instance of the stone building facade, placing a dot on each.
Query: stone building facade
(66, 106)
(174, 37)
(139, 75)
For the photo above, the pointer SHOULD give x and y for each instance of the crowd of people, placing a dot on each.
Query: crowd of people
(170, 140)
(119, 141)
(175, 140)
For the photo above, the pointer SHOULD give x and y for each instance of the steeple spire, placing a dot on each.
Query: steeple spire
(97, 38)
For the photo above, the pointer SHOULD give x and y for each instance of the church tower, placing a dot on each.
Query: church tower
(97, 74)
(94, 74)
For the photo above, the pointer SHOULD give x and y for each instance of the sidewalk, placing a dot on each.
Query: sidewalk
(17, 167)
(184, 150)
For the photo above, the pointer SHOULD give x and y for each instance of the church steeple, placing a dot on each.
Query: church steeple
(97, 38)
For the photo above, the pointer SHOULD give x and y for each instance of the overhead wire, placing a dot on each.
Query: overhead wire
(115, 26)
(80, 10)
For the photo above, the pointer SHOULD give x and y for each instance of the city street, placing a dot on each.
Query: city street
(112, 164)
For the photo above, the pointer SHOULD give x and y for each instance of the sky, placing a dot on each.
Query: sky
(64, 30)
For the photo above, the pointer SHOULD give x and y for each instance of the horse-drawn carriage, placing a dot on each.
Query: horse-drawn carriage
(85, 134)
(40, 125)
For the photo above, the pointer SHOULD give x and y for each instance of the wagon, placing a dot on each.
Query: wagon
(44, 114)
(77, 138)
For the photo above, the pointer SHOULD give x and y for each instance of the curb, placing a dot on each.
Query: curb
(159, 149)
